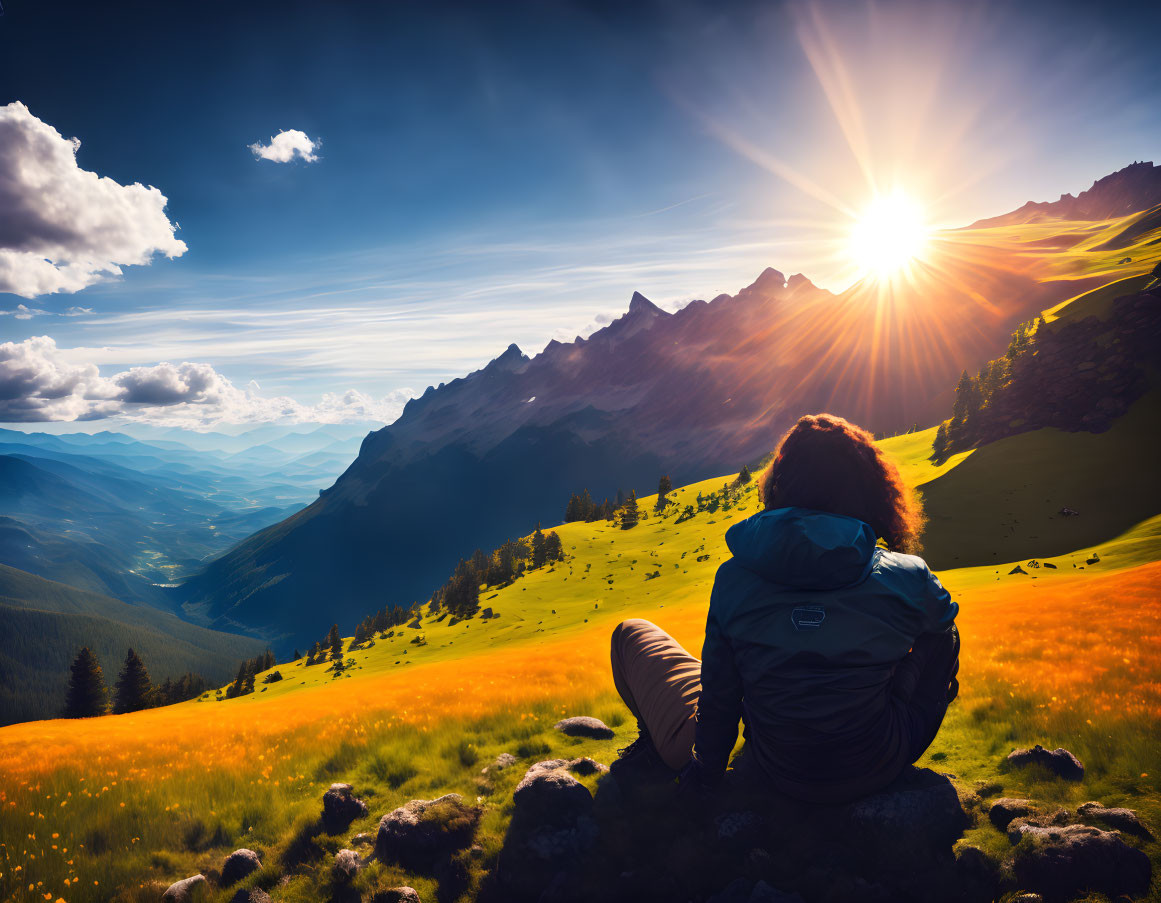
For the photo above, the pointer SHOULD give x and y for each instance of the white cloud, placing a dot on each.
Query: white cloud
(63, 227)
(39, 382)
(286, 145)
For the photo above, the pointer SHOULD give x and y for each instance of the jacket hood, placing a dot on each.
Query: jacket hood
(802, 548)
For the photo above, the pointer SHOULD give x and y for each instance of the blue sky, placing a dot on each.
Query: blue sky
(513, 172)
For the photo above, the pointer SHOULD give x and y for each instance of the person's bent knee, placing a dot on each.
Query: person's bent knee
(630, 630)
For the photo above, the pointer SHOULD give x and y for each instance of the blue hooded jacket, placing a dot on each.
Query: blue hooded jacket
(807, 622)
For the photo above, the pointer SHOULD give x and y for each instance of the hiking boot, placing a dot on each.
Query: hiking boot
(640, 763)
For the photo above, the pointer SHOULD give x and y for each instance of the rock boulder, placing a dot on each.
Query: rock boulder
(1059, 761)
(396, 895)
(238, 865)
(1006, 808)
(422, 831)
(919, 811)
(345, 866)
(1060, 862)
(584, 726)
(340, 808)
(1122, 819)
(186, 890)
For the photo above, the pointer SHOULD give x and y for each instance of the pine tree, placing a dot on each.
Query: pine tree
(664, 487)
(133, 686)
(297, 655)
(939, 446)
(553, 547)
(539, 555)
(335, 642)
(744, 476)
(86, 692)
(629, 515)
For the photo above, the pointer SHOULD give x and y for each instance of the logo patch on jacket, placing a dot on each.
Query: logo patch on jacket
(808, 618)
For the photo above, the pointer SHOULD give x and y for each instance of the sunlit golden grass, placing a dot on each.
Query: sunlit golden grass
(1064, 657)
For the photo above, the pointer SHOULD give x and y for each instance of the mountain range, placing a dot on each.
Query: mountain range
(688, 394)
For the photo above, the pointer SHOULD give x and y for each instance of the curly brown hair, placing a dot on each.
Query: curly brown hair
(828, 464)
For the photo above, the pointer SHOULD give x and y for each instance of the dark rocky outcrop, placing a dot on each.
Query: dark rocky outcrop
(1059, 761)
(585, 726)
(340, 808)
(419, 833)
(1060, 862)
(238, 865)
(919, 811)
(187, 890)
(1005, 809)
(1121, 819)
(551, 826)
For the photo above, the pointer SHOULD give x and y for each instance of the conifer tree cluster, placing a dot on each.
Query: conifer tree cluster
(247, 671)
(87, 695)
(460, 595)
(974, 393)
(582, 507)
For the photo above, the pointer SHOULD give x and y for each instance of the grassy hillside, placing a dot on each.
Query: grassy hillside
(1065, 656)
(43, 624)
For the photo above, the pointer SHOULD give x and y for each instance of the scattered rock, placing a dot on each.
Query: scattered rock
(1060, 862)
(548, 793)
(1068, 512)
(1027, 898)
(340, 808)
(186, 889)
(272, 678)
(1017, 570)
(502, 761)
(396, 895)
(253, 895)
(486, 613)
(1059, 761)
(1122, 819)
(585, 726)
(346, 866)
(1006, 808)
(361, 840)
(418, 833)
(238, 865)
(1094, 560)
(585, 766)
(920, 810)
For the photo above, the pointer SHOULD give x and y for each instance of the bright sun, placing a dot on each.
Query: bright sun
(888, 235)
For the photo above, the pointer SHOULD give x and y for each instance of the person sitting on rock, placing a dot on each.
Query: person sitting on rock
(836, 647)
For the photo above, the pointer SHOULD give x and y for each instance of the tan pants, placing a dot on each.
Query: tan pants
(660, 683)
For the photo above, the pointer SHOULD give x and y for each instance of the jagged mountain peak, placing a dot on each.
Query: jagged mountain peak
(512, 355)
(1128, 190)
(769, 282)
(639, 305)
